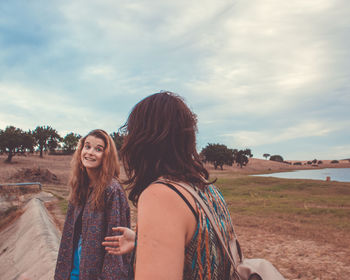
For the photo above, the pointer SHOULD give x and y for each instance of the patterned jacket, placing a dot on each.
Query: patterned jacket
(95, 264)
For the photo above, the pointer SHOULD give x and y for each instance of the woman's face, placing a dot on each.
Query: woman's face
(92, 152)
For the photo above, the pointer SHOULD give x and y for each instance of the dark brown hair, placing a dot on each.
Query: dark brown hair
(161, 141)
(79, 180)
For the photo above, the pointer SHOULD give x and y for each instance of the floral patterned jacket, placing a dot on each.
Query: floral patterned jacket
(95, 263)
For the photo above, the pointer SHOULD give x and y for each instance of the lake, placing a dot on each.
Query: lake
(335, 174)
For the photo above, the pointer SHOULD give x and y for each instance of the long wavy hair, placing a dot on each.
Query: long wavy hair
(79, 181)
(161, 141)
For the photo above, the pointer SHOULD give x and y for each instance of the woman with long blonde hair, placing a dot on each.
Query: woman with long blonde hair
(97, 203)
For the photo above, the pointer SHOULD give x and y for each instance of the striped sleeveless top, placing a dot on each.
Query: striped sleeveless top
(204, 257)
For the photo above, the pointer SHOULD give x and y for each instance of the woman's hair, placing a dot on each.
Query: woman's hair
(161, 141)
(109, 168)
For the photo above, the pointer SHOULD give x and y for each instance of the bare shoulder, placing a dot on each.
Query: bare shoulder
(157, 192)
(164, 199)
(157, 204)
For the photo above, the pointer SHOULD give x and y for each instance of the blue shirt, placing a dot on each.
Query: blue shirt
(74, 275)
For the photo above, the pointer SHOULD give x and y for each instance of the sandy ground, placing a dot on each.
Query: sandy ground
(295, 257)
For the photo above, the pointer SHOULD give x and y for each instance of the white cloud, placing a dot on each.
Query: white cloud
(105, 71)
(270, 56)
(32, 107)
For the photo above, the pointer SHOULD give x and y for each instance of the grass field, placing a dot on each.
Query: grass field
(313, 209)
(301, 226)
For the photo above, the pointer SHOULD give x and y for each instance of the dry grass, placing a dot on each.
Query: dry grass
(302, 226)
(59, 165)
(9, 216)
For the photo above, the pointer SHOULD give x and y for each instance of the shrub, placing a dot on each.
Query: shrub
(276, 158)
(297, 163)
(334, 161)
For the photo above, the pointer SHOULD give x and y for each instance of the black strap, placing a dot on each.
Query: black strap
(182, 196)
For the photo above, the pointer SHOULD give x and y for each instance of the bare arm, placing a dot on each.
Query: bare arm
(164, 222)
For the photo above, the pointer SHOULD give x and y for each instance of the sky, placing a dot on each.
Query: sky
(269, 75)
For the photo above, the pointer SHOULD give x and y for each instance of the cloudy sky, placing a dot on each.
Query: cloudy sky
(269, 75)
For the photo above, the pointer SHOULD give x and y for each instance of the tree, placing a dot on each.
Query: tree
(218, 155)
(241, 157)
(118, 139)
(46, 137)
(276, 158)
(28, 142)
(13, 141)
(53, 144)
(266, 155)
(70, 142)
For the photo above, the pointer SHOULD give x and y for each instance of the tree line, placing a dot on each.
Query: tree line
(14, 141)
(45, 138)
(220, 155)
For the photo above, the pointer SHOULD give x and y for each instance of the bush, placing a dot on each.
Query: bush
(334, 161)
(320, 162)
(276, 158)
(297, 163)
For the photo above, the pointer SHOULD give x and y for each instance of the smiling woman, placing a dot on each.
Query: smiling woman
(97, 202)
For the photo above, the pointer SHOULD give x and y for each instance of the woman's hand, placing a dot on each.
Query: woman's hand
(120, 244)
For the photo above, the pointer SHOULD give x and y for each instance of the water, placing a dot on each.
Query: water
(335, 174)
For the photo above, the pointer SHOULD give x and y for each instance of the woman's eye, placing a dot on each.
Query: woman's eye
(99, 149)
(87, 147)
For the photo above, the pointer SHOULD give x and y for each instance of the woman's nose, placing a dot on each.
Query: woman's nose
(91, 152)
